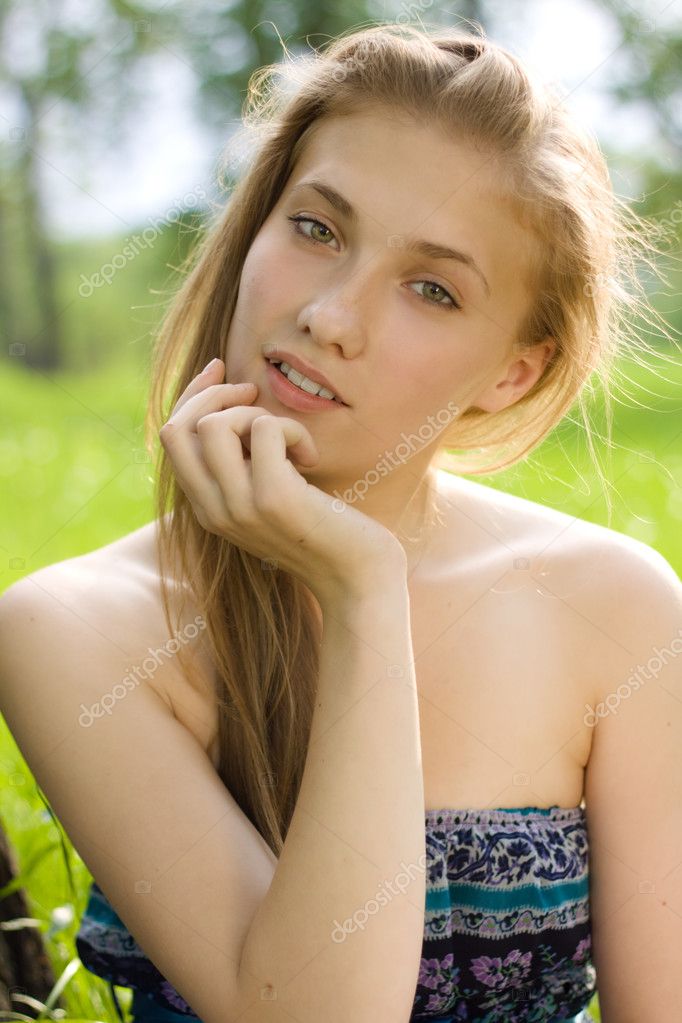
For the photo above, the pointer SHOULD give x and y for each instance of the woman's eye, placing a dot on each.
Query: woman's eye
(310, 220)
(452, 304)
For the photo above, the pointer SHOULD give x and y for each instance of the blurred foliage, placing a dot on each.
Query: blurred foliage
(651, 36)
(56, 882)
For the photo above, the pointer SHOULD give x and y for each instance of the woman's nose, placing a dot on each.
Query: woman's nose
(337, 314)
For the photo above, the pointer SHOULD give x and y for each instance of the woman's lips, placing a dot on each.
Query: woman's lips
(293, 397)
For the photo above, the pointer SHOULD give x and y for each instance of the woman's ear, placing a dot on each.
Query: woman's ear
(518, 376)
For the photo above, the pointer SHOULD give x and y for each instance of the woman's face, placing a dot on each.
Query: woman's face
(344, 291)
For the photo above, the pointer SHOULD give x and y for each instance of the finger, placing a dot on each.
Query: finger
(213, 398)
(272, 473)
(195, 472)
(193, 475)
(221, 436)
(300, 445)
(210, 374)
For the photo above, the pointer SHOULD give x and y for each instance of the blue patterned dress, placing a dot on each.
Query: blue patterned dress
(507, 925)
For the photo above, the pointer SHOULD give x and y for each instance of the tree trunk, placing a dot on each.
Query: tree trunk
(45, 351)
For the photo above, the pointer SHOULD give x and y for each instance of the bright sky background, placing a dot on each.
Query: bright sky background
(169, 155)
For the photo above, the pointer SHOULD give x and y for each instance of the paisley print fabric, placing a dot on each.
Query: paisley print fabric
(506, 935)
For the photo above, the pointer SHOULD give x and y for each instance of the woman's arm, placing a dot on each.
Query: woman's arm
(339, 934)
(178, 860)
(633, 783)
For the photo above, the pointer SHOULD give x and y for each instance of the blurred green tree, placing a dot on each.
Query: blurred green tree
(50, 57)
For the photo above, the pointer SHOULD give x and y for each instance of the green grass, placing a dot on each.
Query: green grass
(75, 475)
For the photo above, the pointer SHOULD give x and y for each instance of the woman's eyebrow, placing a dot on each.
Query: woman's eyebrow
(419, 245)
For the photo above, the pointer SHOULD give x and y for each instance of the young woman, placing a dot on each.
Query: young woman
(339, 641)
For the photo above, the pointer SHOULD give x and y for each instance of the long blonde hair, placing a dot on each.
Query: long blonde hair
(263, 636)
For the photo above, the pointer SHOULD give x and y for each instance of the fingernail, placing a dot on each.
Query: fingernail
(210, 365)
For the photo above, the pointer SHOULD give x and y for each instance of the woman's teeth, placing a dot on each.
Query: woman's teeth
(304, 383)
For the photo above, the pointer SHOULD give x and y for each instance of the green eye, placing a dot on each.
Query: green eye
(446, 305)
(315, 223)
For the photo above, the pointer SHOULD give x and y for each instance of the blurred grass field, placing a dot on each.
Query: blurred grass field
(75, 476)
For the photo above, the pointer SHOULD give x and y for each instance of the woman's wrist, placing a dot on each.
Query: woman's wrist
(383, 577)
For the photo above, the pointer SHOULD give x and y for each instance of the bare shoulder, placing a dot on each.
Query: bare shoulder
(108, 590)
(617, 595)
(113, 594)
(549, 538)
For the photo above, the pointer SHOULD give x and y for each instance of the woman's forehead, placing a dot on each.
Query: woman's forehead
(393, 165)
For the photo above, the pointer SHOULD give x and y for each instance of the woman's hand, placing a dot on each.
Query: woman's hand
(262, 503)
